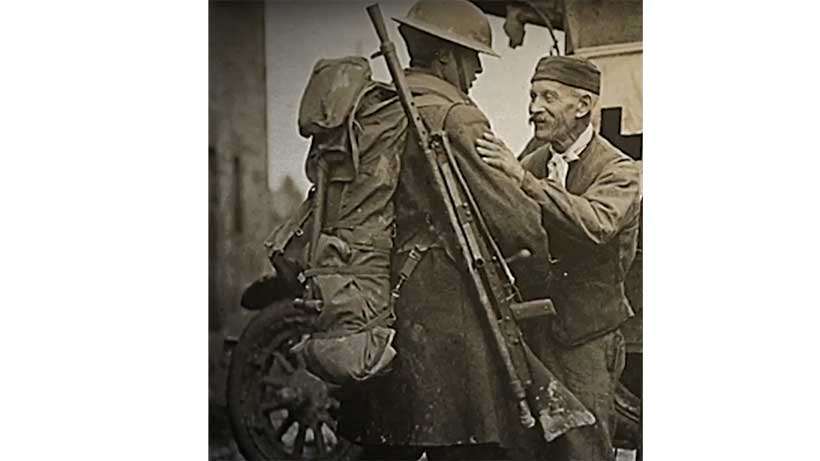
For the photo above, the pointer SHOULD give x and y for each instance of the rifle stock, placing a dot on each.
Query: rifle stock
(531, 384)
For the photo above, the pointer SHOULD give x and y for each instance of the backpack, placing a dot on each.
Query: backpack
(340, 111)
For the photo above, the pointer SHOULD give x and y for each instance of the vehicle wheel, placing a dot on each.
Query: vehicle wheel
(278, 410)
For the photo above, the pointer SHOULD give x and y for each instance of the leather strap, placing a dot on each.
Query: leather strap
(413, 259)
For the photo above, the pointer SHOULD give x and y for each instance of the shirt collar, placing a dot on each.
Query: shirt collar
(574, 151)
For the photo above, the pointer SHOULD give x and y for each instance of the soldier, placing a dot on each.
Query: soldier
(446, 393)
(590, 196)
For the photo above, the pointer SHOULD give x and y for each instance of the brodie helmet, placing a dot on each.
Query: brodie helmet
(456, 21)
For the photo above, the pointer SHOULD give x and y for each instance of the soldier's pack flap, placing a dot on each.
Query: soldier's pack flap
(331, 93)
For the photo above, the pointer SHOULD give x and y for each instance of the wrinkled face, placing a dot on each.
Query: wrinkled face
(553, 109)
(462, 68)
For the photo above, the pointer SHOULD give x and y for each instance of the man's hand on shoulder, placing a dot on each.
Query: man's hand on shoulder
(495, 153)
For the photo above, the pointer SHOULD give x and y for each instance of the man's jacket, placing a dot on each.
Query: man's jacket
(593, 227)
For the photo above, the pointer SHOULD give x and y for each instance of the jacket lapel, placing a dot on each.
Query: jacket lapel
(583, 171)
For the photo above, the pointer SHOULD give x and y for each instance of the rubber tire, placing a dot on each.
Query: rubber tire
(279, 322)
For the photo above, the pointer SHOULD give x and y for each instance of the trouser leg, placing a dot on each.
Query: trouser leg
(591, 372)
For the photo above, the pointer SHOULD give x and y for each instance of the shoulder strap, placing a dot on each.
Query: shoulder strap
(434, 109)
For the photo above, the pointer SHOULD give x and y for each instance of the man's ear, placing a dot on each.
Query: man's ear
(584, 106)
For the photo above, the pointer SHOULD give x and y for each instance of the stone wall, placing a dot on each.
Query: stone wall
(241, 208)
(240, 201)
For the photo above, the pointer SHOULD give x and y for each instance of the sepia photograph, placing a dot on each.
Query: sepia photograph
(425, 230)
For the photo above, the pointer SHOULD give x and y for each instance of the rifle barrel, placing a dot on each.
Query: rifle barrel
(388, 51)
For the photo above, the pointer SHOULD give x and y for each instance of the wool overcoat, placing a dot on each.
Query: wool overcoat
(447, 385)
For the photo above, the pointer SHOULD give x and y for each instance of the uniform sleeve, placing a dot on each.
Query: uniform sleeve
(598, 214)
(513, 217)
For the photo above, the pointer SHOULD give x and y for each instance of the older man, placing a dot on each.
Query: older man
(590, 195)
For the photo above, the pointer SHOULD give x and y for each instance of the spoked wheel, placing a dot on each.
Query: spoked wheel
(278, 410)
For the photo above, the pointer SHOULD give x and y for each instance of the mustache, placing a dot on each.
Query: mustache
(537, 118)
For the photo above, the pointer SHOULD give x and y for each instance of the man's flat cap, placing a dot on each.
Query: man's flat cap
(569, 70)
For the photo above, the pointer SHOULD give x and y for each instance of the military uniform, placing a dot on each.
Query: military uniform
(447, 386)
(447, 393)
(593, 225)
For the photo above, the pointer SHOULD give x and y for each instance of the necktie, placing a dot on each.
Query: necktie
(557, 169)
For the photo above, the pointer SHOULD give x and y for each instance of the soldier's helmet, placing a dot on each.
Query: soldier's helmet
(456, 21)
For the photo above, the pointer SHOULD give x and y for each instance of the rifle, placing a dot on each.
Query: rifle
(532, 385)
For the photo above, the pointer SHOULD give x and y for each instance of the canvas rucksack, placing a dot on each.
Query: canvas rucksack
(340, 111)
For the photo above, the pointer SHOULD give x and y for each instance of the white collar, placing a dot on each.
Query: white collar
(574, 151)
